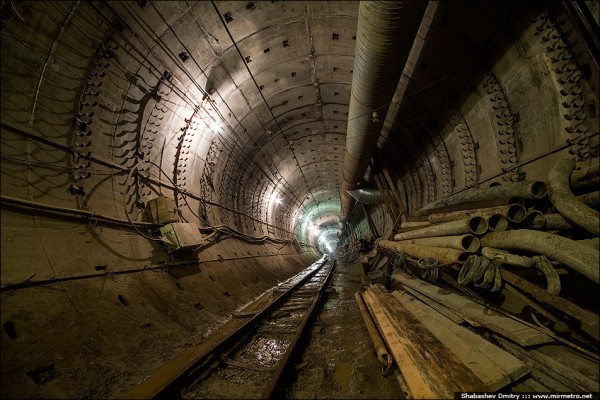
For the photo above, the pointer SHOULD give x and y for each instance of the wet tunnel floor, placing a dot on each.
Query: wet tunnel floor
(339, 360)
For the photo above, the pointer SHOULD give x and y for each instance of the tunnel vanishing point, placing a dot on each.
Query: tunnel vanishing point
(164, 163)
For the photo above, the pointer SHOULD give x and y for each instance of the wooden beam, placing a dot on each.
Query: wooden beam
(585, 316)
(495, 367)
(492, 320)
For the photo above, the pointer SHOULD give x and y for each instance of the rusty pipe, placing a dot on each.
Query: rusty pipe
(555, 222)
(414, 224)
(506, 258)
(468, 206)
(535, 220)
(385, 33)
(496, 222)
(526, 189)
(473, 225)
(575, 255)
(516, 213)
(581, 178)
(552, 279)
(565, 201)
(591, 199)
(468, 243)
(506, 210)
(383, 355)
(442, 254)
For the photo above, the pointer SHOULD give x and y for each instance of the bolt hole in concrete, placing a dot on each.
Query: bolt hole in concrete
(9, 328)
(43, 375)
(198, 306)
(123, 300)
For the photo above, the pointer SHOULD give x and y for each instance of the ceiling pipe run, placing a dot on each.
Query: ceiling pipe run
(385, 34)
(367, 196)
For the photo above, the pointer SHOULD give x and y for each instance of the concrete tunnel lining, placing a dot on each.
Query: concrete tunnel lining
(248, 136)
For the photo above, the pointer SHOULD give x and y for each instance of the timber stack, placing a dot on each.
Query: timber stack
(454, 258)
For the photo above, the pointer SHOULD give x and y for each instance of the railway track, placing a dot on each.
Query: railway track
(250, 361)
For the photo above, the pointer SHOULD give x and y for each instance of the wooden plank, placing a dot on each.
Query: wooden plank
(507, 327)
(585, 316)
(495, 367)
(395, 192)
(386, 199)
(417, 384)
(444, 368)
(545, 374)
(445, 311)
(583, 382)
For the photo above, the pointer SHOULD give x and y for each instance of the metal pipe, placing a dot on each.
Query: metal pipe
(414, 224)
(73, 212)
(370, 196)
(442, 254)
(593, 243)
(552, 279)
(383, 355)
(462, 214)
(506, 258)
(384, 37)
(535, 220)
(467, 206)
(496, 222)
(565, 201)
(516, 213)
(575, 255)
(590, 199)
(467, 243)
(557, 222)
(526, 189)
(473, 225)
(582, 177)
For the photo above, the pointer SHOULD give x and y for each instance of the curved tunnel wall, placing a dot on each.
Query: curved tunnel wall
(87, 95)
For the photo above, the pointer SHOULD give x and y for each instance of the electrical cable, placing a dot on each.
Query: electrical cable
(174, 58)
(125, 206)
(262, 96)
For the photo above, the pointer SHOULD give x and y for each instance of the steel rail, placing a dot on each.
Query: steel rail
(284, 363)
(167, 380)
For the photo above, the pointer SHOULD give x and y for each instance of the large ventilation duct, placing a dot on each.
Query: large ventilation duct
(367, 196)
(385, 34)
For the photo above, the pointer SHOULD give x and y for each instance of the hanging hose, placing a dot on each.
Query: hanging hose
(429, 269)
(398, 259)
(481, 272)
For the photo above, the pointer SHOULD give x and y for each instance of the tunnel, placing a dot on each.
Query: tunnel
(166, 164)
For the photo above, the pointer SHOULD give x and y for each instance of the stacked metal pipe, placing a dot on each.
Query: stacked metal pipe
(478, 227)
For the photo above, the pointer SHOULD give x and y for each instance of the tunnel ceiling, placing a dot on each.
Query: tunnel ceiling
(275, 77)
(244, 105)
